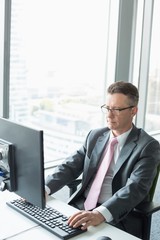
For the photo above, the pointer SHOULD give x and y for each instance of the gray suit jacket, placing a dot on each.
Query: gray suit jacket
(133, 176)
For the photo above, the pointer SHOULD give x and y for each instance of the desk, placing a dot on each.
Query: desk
(15, 226)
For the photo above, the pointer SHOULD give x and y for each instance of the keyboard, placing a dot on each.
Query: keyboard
(49, 218)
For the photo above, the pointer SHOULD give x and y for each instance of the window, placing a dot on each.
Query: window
(58, 67)
(153, 100)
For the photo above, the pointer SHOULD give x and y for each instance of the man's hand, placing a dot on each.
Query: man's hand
(86, 219)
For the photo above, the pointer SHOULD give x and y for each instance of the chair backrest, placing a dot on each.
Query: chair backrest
(152, 190)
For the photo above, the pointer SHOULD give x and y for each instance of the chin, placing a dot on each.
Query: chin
(112, 126)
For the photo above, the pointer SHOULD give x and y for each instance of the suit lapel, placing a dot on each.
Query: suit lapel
(98, 150)
(96, 156)
(131, 143)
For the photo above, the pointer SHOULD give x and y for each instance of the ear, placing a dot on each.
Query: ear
(134, 111)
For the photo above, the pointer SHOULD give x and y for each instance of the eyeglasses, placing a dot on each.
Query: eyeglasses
(115, 111)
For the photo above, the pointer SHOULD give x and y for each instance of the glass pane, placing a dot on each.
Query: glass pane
(153, 99)
(57, 68)
(138, 38)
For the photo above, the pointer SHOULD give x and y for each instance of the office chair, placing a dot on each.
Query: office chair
(143, 211)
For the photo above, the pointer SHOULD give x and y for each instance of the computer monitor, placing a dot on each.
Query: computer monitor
(26, 160)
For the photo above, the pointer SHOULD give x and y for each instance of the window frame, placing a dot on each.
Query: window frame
(5, 25)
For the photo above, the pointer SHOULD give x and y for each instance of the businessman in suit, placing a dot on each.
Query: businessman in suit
(130, 174)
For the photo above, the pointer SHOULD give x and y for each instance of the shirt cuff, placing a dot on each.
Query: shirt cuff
(105, 212)
(47, 189)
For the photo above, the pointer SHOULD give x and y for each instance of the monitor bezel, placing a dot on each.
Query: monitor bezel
(28, 160)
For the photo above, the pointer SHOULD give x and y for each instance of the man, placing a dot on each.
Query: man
(131, 171)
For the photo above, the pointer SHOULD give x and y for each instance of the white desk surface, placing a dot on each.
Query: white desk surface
(15, 226)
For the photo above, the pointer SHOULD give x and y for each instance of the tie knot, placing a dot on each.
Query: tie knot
(113, 141)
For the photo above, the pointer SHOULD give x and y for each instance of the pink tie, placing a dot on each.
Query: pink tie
(92, 198)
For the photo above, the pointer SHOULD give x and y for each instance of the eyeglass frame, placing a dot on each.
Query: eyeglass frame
(114, 109)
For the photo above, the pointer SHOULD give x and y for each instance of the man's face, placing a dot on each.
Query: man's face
(119, 121)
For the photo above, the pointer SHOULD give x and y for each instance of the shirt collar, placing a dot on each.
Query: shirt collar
(121, 138)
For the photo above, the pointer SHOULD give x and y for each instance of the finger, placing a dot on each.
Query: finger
(70, 219)
(89, 218)
(78, 219)
(86, 225)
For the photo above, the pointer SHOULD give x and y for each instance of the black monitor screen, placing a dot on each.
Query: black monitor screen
(28, 160)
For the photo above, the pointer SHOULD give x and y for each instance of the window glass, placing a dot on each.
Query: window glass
(138, 38)
(153, 99)
(57, 68)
